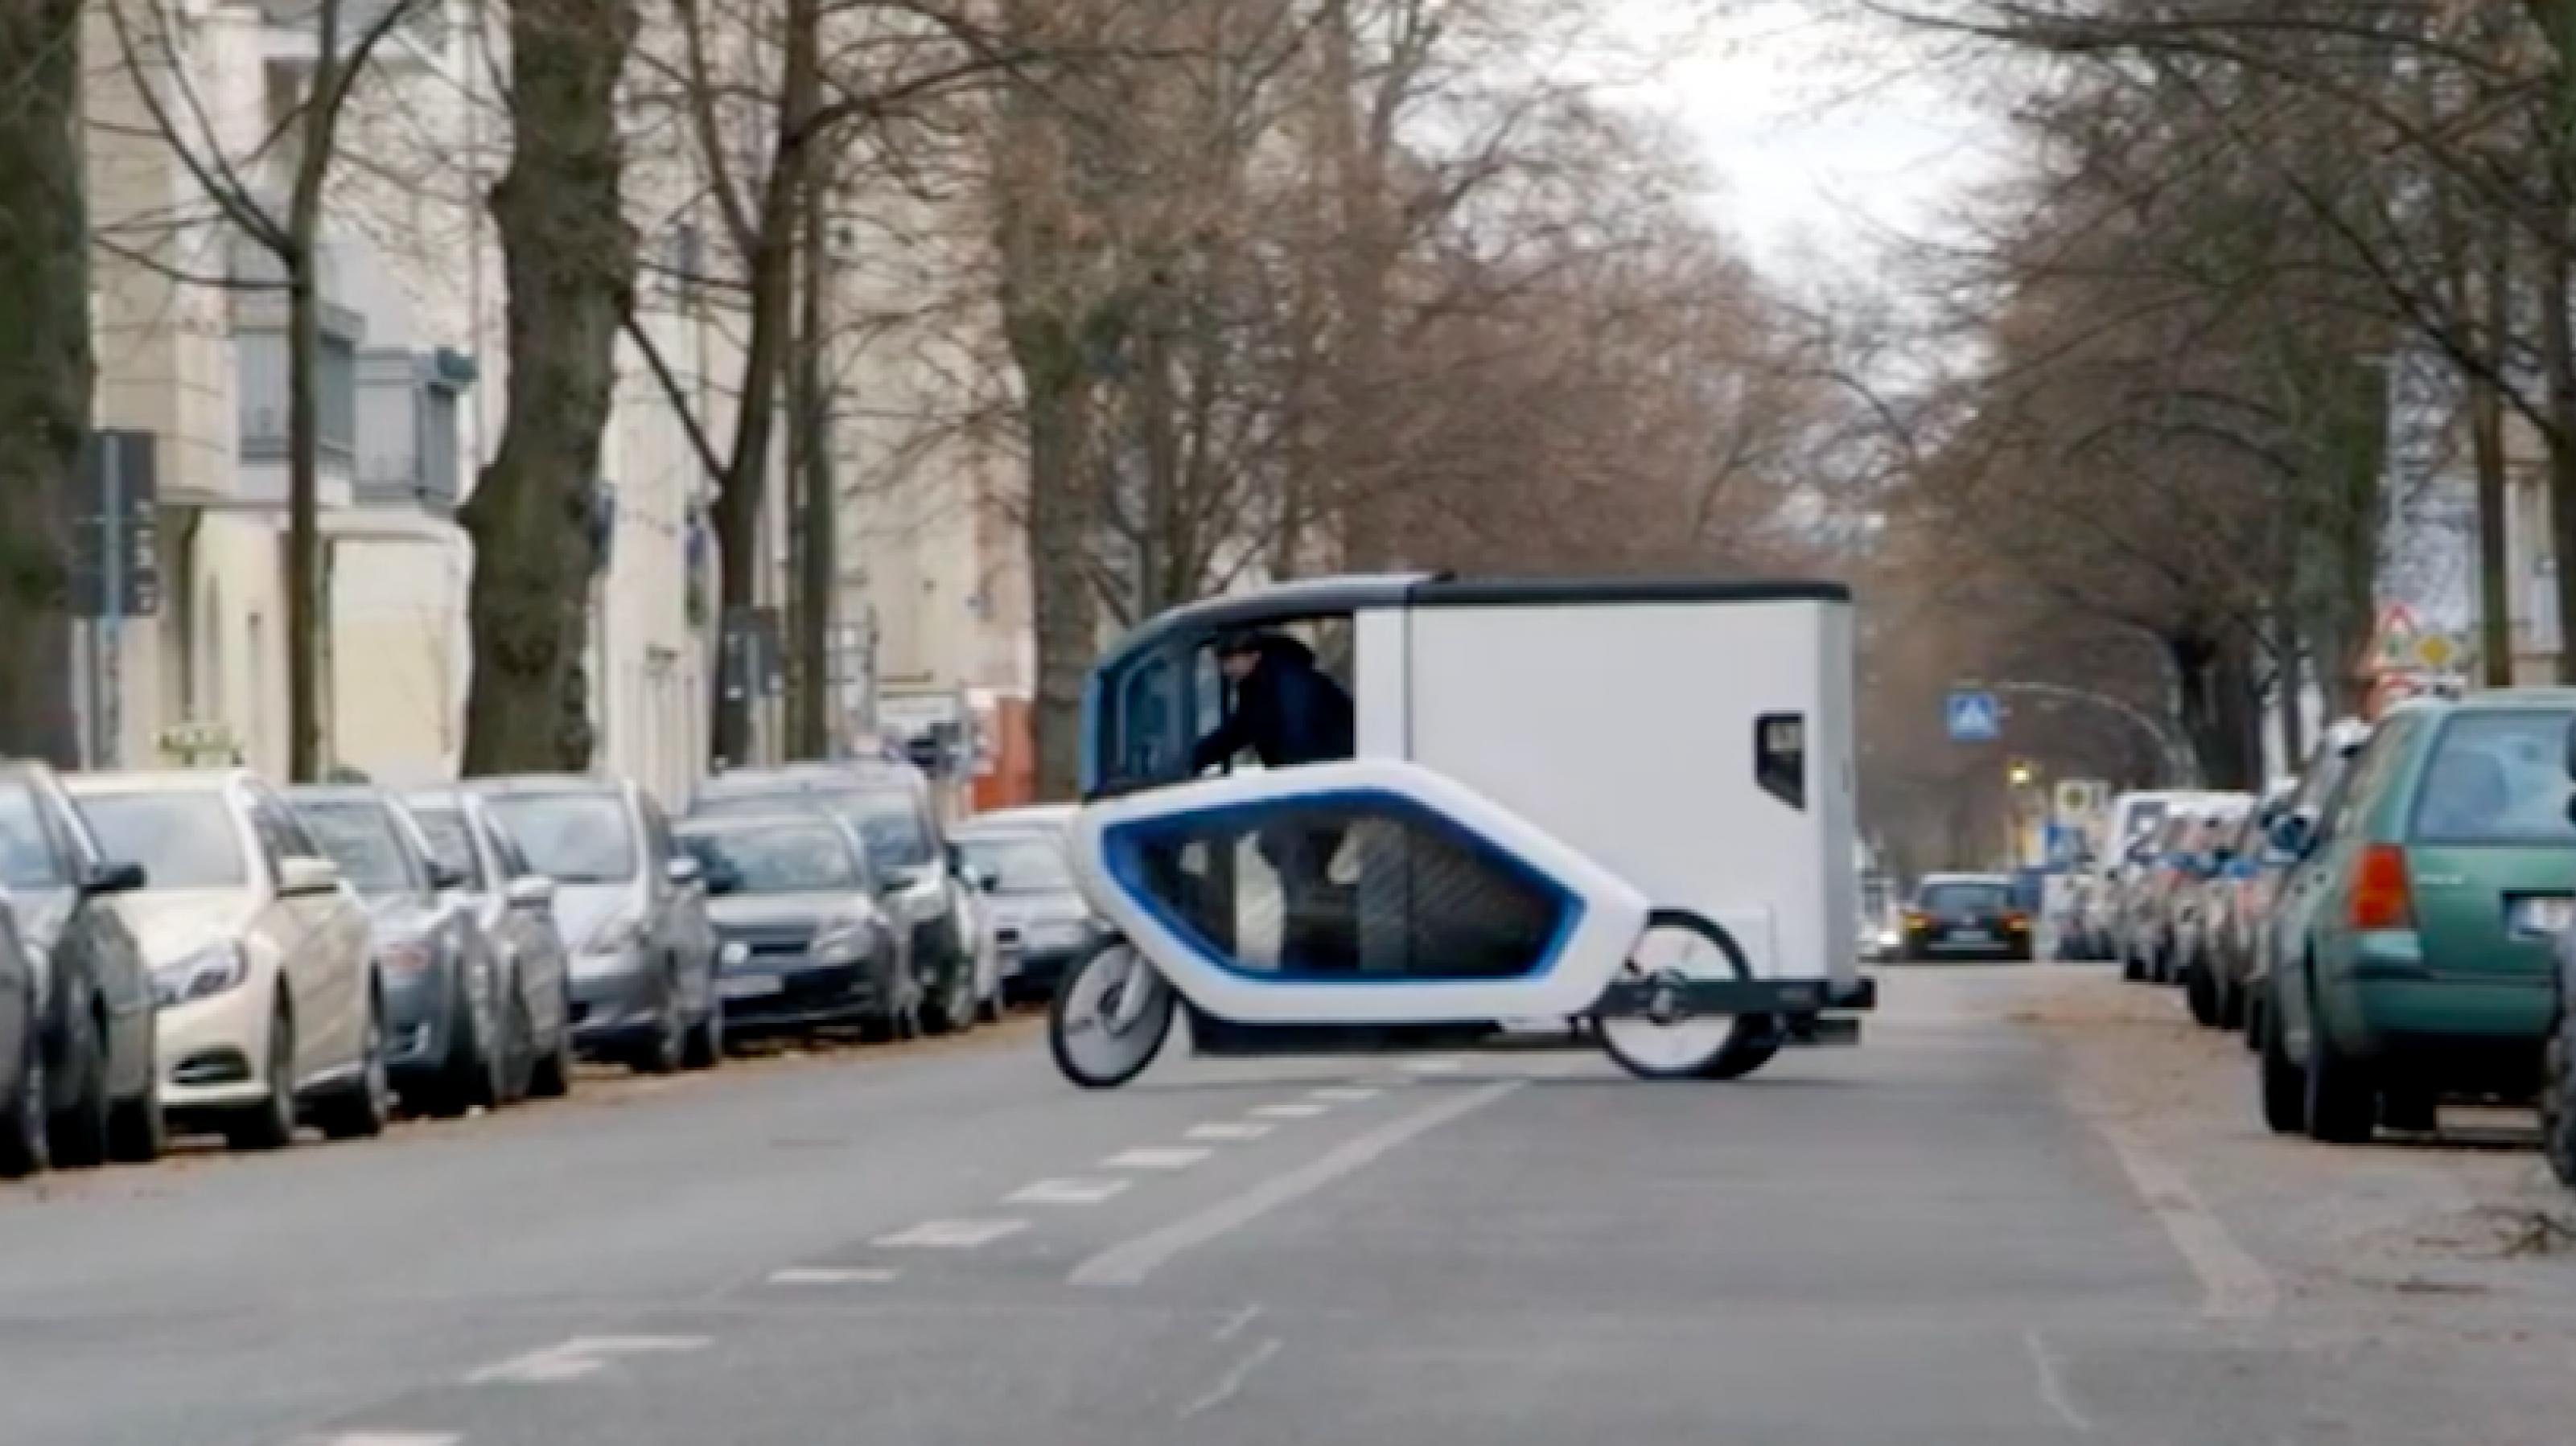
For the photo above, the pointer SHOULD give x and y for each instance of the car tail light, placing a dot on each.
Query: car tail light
(2380, 896)
(2018, 922)
(1917, 919)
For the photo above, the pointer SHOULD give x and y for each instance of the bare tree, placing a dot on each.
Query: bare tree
(45, 367)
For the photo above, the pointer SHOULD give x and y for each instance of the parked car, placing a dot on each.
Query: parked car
(271, 1012)
(799, 915)
(1044, 924)
(2137, 822)
(889, 804)
(633, 910)
(2443, 880)
(2209, 962)
(1966, 916)
(515, 905)
(103, 1094)
(2156, 898)
(2290, 883)
(451, 1043)
(23, 1123)
(2208, 849)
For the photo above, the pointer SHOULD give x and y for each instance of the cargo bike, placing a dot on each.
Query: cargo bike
(1625, 807)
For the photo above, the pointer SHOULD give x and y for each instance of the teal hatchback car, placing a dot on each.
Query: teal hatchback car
(2438, 881)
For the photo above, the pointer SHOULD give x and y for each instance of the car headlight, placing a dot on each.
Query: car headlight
(843, 940)
(618, 935)
(208, 971)
(734, 954)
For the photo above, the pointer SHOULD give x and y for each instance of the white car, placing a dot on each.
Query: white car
(269, 1014)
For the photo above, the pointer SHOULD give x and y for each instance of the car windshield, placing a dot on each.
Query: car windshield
(2497, 778)
(774, 858)
(445, 831)
(27, 858)
(572, 838)
(359, 837)
(1961, 898)
(885, 818)
(183, 840)
(1019, 863)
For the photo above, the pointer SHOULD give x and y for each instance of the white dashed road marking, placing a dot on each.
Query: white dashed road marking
(823, 1275)
(1131, 1261)
(951, 1234)
(1233, 1380)
(578, 1357)
(1167, 1157)
(1289, 1112)
(1227, 1131)
(1436, 1064)
(1344, 1094)
(1076, 1191)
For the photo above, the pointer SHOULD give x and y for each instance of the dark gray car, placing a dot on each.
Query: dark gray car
(889, 805)
(23, 1146)
(447, 1038)
(516, 907)
(1044, 923)
(804, 936)
(103, 1090)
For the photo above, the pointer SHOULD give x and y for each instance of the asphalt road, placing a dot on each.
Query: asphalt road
(1931, 1239)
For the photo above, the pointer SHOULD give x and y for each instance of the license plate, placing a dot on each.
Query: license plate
(1972, 936)
(748, 986)
(2543, 918)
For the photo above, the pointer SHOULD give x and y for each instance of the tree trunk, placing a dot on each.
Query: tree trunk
(818, 516)
(1062, 524)
(570, 261)
(2495, 562)
(2558, 360)
(303, 541)
(45, 371)
(772, 257)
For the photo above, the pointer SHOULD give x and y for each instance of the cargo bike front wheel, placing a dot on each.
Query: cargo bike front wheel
(1667, 1040)
(1110, 1016)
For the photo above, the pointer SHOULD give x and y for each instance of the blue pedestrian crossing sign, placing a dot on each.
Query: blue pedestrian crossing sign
(1975, 718)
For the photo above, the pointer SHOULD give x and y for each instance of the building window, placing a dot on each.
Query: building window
(438, 462)
(337, 390)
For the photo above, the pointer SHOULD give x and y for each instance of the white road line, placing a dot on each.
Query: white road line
(578, 1357)
(1227, 1130)
(1232, 1381)
(2234, 1285)
(1344, 1094)
(1158, 1157)
(826, 1275)
(1289, 1112)
(2052, 1386)
(1235, 1323)
(1131, 1261)
(1436, 1064)
(1080, 1190)
(950, 1234)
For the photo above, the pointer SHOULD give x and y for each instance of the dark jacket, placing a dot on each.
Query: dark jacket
(1287, 712)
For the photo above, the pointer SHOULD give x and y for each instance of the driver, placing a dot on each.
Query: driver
(1287, 711)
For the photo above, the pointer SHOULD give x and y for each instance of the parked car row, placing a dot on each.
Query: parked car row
(197, 951)
(2390, 931)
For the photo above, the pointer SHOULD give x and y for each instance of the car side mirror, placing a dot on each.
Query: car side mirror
(982, 876)
(297, 878)
(530, 891)
(2292, 835)
(113, 879)
(445, 878)
(683, 871)
(722, 881)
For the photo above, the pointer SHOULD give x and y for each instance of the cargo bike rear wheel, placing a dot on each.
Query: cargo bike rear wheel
(1669, 1042)
(1110, 1016)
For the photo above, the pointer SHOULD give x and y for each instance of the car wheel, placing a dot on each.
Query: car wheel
(660, 1053)
(463, 1077)
(518, 1047)
(360, 1111)
(952, 1009)
(2231, 1005)
(77, 1131)
(2343, 1105)
(2285, 1088)
(2131, 968)
(270, 1124)
(22, 1122)
(552, 1077)
(704, 1048)
(2558, 1097)
(137, 1132)
(2201, 992)
(2412, 1109)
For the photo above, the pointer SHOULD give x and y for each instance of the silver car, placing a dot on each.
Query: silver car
(22, 1055)
(633, 911)
(516, 907)
(1043, 923)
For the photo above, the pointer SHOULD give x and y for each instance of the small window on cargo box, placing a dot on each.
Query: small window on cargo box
(1780, 756)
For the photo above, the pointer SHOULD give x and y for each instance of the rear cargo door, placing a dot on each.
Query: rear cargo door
(2491, 854)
